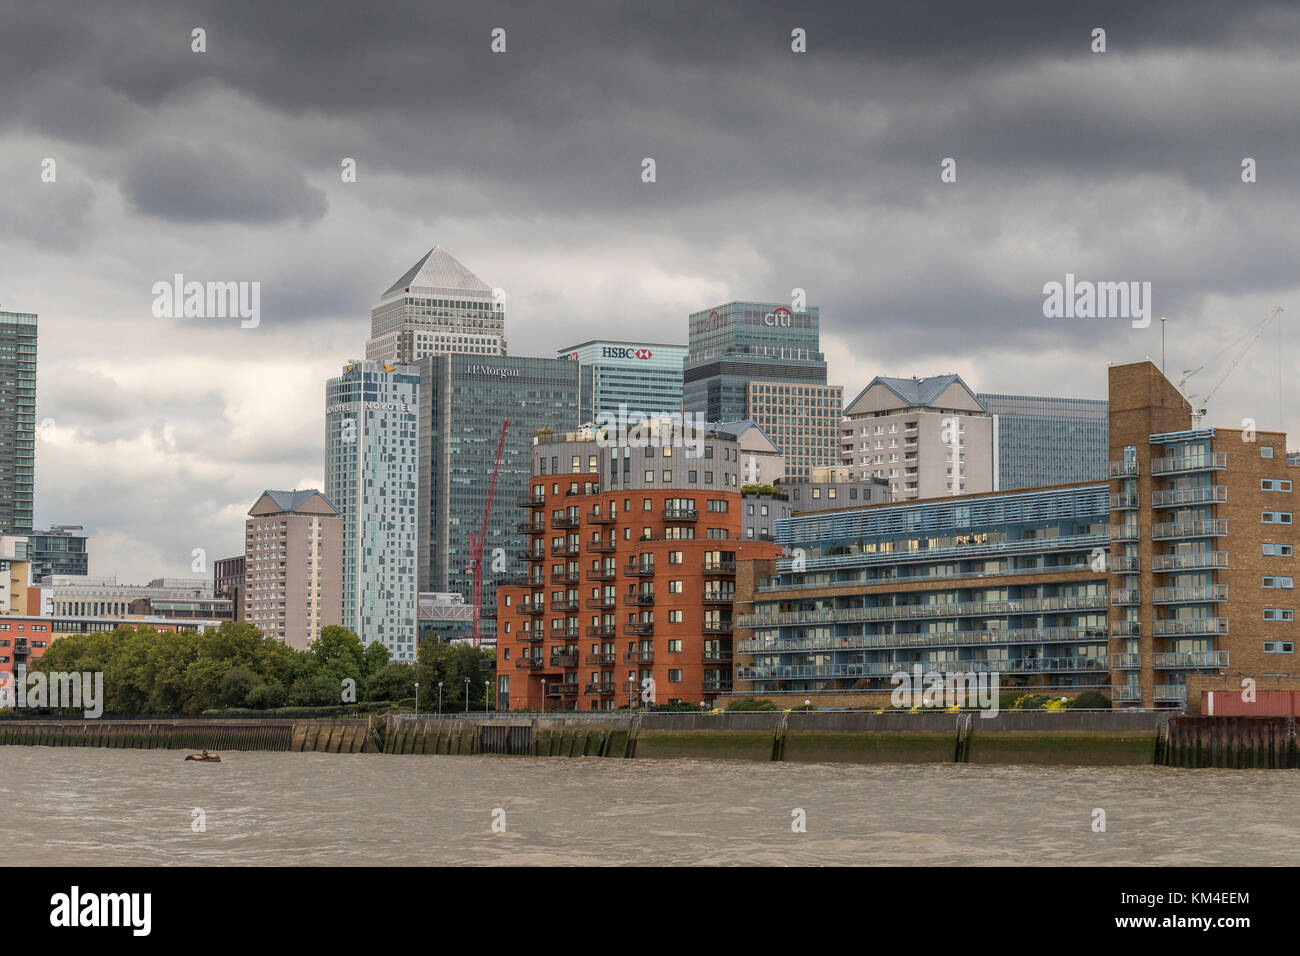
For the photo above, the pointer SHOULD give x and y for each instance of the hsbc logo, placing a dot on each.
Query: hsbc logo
(610, 351)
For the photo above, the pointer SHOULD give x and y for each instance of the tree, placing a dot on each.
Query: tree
(339, 653)
(236, 685)
(376, 658)
(453, 664)
(267, 697)
(391, 682)
(316, 690)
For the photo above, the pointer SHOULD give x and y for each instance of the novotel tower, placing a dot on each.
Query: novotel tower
(372, 469)
(463, 401)
(643, 377)
(742, 342)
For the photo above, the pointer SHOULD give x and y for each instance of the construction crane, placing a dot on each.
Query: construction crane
(1250, 338)
(477, 541)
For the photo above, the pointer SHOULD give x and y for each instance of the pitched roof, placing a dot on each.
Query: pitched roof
(916, 392)
(438, 271)
(291, 500)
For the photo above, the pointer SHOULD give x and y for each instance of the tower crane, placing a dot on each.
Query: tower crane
(479, 539)
(1246, 341)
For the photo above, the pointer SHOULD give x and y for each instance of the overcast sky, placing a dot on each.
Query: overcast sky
(775, 170)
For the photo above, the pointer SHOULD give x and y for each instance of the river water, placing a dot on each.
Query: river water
(74, 806)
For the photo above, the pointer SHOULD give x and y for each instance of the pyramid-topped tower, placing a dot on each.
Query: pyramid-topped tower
(437, 306)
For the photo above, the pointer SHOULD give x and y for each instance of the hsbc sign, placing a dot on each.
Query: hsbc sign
(610, 351)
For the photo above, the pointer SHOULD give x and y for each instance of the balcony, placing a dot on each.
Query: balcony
(607, 601)
(602, 574)
(1210, 494)
(531, 637)
(1125, 628)
(530, 527)
(569, 548)
(1201, 594)
(565, 522)
(717, 657)
(1180, 464)
(601, 547)
(641, 599)
(681, 514)
(1189, 627)
(523, 554)
(562, 690)
(529, 663)
(1199, 528)
(1124, 501)
(527, 608)
(719, 597)
(720, 567)
(602, 660)
(639, 570)
(915, 611)
(565, 634)
(1126, 596)
(532, 501)
(1125, 662)
(565, 660)
(717, 627)
(716, 685)
(641, 628)
(1123, 469)
(1124, 532)
(1124, 564)
(1171, 692)
(1126, 692)
(564, 577)
(595, 517)
(641, 657)
(604, 688)
(566, 604)
(1189, 562)
(1192, 659)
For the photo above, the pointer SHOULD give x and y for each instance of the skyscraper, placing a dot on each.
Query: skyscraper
(17, 420)
(463, 401)
(742, 342)
(372, 470)
(645, 377)
(437, 306)
(57, 551)
(1041, 440)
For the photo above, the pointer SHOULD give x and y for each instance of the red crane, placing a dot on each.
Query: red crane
(477, 541)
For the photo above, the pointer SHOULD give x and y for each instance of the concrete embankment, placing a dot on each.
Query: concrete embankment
(1081, 739)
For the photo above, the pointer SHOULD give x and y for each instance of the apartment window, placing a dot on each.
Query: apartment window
(1276, 517)
(1277, 550)
(668, 476)
(1265, 451)
(675, 646)
(691, 476)
(675, 617)
(674, 557)
(1279, 647)
(749, 510)
(647, 504)
(674, 677)
(1279, 614)
(1274, 484)
(675, 587)
(1275, 582)
(649, 477)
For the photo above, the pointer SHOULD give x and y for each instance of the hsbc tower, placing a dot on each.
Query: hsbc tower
(646, 377)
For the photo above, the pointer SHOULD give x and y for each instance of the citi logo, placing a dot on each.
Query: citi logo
(779, 316)
(102, 909)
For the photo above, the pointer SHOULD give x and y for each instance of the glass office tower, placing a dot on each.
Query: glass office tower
(1039, 440)
(17, 421)
(644, 377)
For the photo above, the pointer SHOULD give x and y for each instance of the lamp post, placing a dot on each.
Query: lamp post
(543, 695)
(486, 685)
(467, 695)
(439, 698)
(417, 698)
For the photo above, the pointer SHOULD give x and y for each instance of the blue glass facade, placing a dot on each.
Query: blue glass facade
(1041, 440)
(1012, 583)
(645, 377)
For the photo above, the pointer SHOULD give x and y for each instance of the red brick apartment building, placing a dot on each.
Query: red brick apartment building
(631, 553)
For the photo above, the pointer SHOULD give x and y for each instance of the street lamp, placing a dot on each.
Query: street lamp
(417, 698)
(543, 695)
(439, 698)
(486, 685)
(466, 695)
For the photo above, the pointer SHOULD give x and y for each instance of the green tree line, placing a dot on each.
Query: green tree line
(234, 665)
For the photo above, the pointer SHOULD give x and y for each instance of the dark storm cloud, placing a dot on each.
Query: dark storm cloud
(216, 183)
